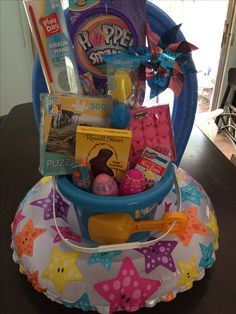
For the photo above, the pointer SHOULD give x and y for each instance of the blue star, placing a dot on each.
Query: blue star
(28, 195)
(207, 260)
(83, 303)
(191, 193)
(104, 258)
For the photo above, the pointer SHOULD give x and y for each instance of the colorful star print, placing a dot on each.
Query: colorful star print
(104, 258)
(194, 226)
(67, 233)
(17, 220)
(25, 239)
(61, 207)
(159, 254)
(33, 278)
(83, 303)
(188, 273)
(207, 260)
(213, 226)
(62, 268)
(192, 194)
(28, 195)
(45, 179)
(128, 291)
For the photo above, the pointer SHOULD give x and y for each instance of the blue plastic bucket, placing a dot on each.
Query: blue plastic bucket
(140, 206)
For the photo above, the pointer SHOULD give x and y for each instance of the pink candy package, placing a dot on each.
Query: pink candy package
(151, 127)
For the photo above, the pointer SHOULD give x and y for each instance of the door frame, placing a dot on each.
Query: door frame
(226, 43)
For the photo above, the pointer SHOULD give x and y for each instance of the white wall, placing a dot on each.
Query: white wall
(15, 56)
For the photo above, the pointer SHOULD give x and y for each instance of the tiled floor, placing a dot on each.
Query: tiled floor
(225, 145)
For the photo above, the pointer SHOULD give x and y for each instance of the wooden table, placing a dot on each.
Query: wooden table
(215, 294)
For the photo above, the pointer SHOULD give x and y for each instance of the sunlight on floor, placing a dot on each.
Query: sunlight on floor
(225, 145)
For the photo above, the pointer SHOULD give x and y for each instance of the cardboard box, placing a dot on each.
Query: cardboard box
(106, 150)
(153, 165)
(60, 116)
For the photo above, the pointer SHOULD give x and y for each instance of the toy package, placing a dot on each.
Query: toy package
(60, 116)
(100, 27)
(151, 127)
(122, 77)
(153, 165)
(106, 150)
(49, 29)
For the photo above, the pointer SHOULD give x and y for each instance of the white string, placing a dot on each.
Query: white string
(121, 246)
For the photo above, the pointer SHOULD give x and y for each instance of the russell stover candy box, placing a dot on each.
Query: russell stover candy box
(60, 115)
(100, 27)
(105, 150)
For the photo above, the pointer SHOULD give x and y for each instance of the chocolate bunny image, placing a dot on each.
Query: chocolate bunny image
(98, 163)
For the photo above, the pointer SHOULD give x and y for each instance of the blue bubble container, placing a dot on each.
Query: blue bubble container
(141, 206)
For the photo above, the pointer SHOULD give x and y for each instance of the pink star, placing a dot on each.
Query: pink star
(128, 291)
(67, 233)
(17, 219)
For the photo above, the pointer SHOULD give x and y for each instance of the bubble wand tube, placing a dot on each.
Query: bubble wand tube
(43, 57)
(49, 29)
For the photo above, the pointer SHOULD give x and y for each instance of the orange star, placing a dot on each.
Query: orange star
(33, 279)
(25, 238)
(194, 226)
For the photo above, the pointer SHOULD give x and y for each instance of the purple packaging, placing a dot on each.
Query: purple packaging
(100, 27)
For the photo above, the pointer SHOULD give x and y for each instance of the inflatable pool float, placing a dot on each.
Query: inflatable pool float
(116, 280)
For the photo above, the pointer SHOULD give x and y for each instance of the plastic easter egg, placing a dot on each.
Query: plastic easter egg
(122, 86)
(119, 116)
(105, 185)
(133, 182)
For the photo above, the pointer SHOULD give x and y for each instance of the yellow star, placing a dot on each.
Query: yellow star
(213, 226)
(62, 268)
(188, 273)
(45, 179)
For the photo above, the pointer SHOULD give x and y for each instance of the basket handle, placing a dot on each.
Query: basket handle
(115, 247)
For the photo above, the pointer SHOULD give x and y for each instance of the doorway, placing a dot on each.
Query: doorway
(210, 25)
(202, 25)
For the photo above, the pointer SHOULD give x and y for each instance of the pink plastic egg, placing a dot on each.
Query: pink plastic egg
(133, 182)
(104, 184)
